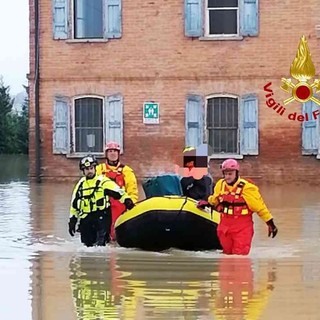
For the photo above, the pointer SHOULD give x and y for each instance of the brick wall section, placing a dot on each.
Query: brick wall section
(154, 60)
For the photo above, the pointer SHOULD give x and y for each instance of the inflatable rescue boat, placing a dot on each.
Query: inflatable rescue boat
(160, 223)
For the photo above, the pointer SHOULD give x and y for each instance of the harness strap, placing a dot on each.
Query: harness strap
(80, 196)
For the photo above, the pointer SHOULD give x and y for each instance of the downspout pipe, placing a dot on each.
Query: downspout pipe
(37, 94)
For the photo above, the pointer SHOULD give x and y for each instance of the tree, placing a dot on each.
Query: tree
(23, 128)
(14, 127)
(6, 104)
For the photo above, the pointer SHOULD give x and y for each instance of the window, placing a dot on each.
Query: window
(84, 124)
(311, 129)
(228, 124)
(90, 19)
(88, 125)
(223, 124)
(221, 18)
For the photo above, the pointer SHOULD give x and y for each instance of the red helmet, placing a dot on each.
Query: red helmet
(112, 146)
(230, 164)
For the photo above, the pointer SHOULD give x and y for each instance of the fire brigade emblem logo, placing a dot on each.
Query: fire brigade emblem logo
(302, 69)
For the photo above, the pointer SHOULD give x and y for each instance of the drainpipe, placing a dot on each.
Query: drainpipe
(36, 93)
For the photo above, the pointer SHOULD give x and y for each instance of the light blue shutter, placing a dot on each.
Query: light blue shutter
(310, 130)
(249, 128)
(249, 17)
(114, 119)
(60, 19)
(61, 126)
(193, 18)
(113, 19)
(194, 121)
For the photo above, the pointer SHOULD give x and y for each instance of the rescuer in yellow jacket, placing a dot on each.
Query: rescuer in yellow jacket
(237, 199)
(90, 204)
(122, 175)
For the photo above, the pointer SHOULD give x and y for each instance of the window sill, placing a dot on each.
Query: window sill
(220, 38)
(81, 155)
(99, 155)
(226, 156)
(86, 40)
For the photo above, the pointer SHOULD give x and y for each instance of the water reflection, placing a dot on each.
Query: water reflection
(125, 288)
(47, 275)
(15, 168)
(15, 258)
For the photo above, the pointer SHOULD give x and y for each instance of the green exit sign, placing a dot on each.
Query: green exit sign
(151, 113)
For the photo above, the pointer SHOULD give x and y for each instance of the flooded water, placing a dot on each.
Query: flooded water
(45, 274)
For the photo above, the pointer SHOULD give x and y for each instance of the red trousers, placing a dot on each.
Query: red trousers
(235, 234)
(236, 279)
(117, 208)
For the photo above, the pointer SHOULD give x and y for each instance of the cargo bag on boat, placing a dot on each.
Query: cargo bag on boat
(162, 185)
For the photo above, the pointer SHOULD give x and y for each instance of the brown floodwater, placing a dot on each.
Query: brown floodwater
(46, 274)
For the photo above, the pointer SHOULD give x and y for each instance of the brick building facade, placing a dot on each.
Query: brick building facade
(94, 63)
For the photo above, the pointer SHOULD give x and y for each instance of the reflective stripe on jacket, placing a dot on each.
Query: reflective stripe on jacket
(250, 193)
(231, 201)
(91, 195)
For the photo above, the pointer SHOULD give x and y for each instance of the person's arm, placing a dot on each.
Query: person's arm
(209, 186)
(131, 184)
(74, 209)
(111, 189)
(255, 202)
(213, 199)
(74, 205)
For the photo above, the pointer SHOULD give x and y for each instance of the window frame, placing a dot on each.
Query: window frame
(207, 22)
(206, 130)
(73, 127)
(73, 24)
(63, 21)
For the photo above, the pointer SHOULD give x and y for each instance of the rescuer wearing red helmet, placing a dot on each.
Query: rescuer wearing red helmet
(123, 175)
(237, 199)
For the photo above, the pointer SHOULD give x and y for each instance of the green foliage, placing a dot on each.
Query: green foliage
(14, 127)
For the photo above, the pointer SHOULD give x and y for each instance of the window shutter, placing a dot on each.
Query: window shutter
(113, 19)
(60, 19)
(61, 126)
(194, 121)
(249, 17)
(114, 119)
(310, 130)
(193, 18)
(249, 129)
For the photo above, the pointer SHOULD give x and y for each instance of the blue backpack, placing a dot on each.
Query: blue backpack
(162, 185)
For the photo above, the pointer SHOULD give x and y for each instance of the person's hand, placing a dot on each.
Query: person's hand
(129, 204)
(272, 229)
(202, 204)
(72, 226)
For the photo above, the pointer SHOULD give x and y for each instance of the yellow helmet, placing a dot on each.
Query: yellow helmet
(187, 149)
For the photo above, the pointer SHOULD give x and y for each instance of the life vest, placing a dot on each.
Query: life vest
(89, 197)
(232, 202)
(117, 176)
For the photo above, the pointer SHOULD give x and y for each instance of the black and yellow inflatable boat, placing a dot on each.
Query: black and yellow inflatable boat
(160, 223)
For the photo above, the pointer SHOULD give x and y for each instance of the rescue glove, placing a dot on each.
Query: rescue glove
(129, 204)
(202, 204)
(72, 226)
(272, 229)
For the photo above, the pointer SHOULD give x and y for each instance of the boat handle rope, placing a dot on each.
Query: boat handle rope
(183, 204)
